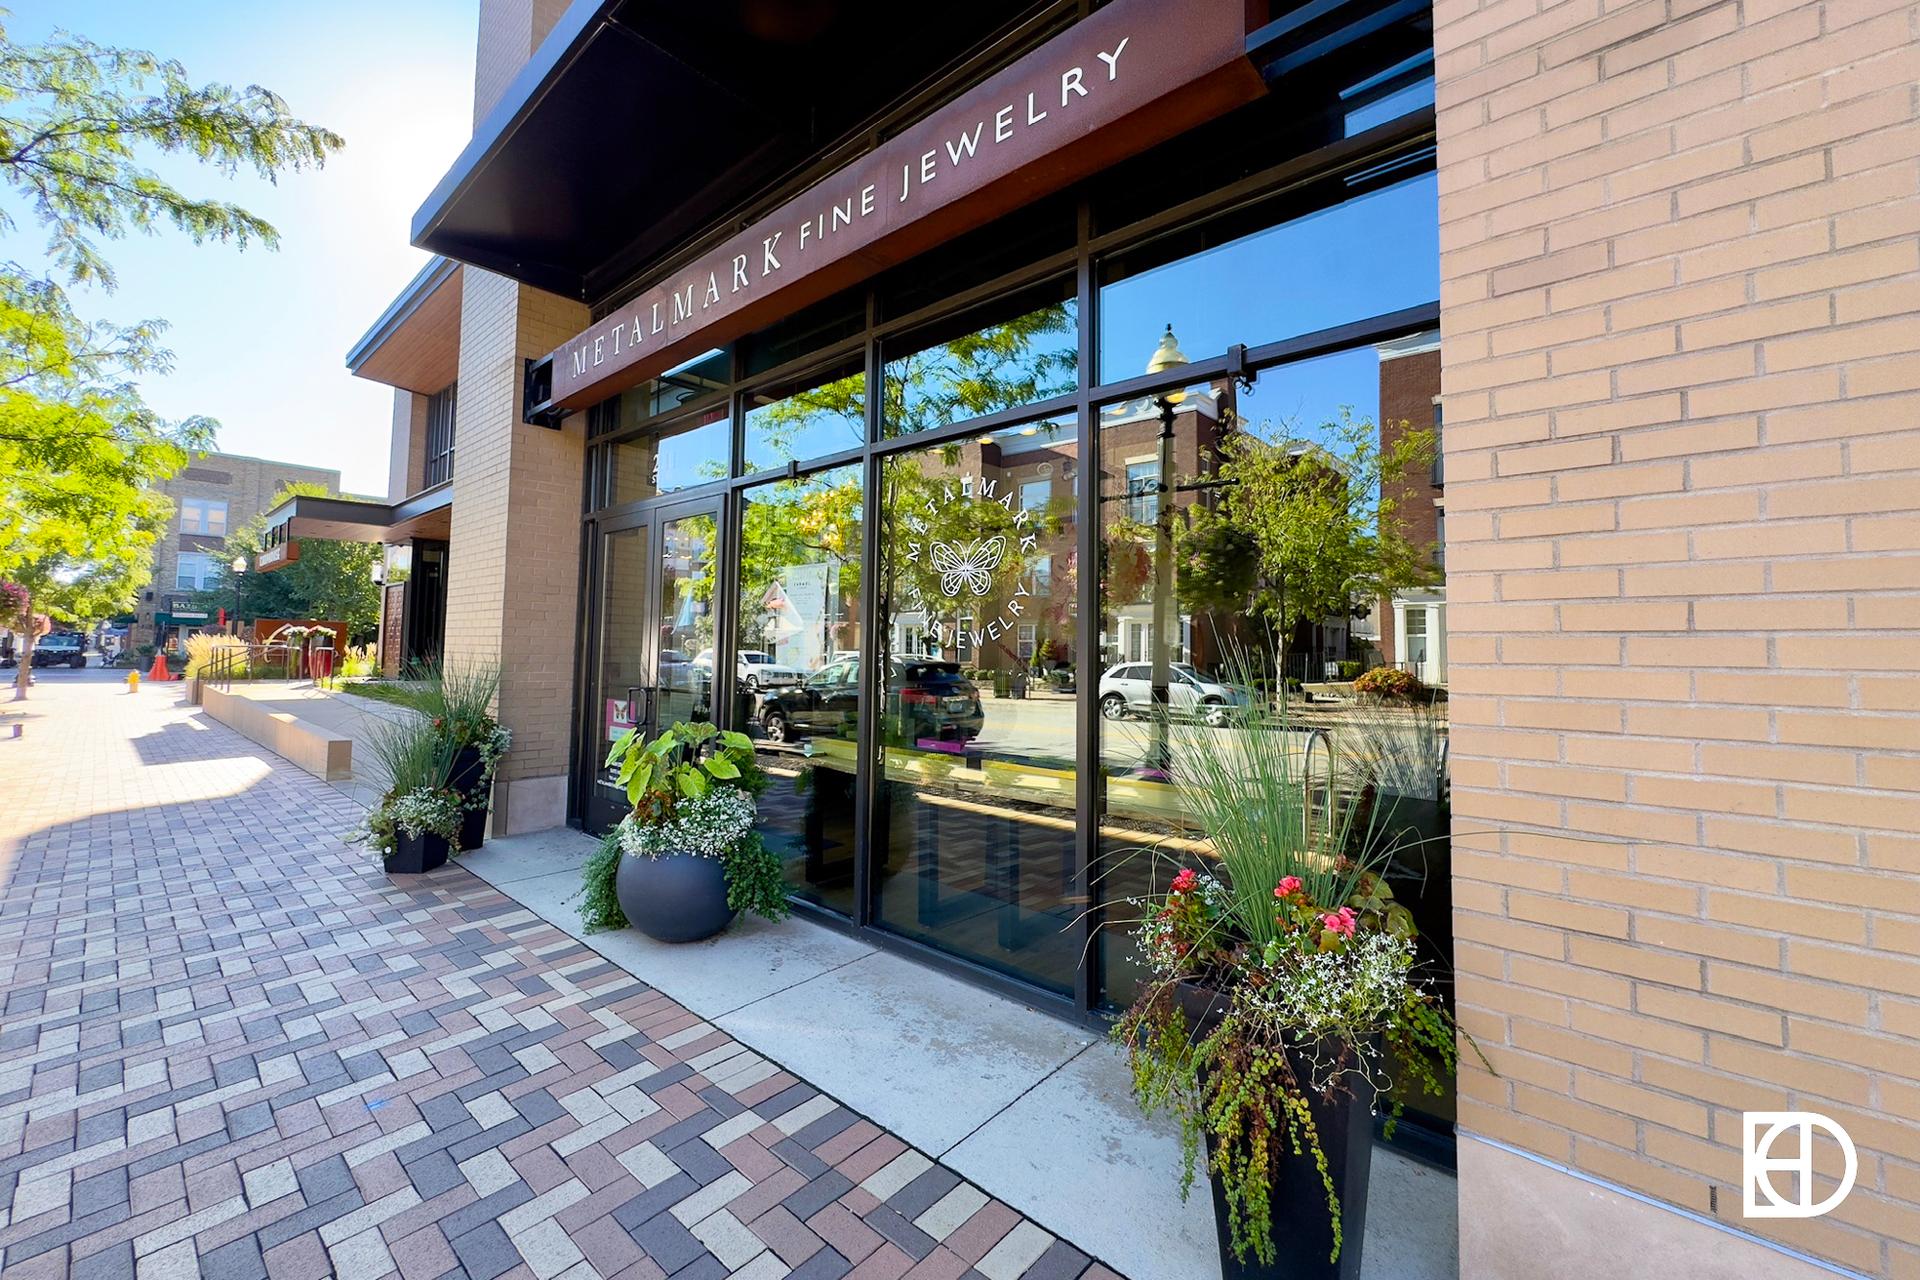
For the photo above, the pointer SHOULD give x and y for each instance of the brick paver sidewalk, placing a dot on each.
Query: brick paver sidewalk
(232, 1047)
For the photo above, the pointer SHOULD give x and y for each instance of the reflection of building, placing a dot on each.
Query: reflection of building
(214, 494)
(1413, 622)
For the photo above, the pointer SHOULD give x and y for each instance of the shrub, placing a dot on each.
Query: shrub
(201, 650)
(1389, 682)
(359, 660)
(1349, 669)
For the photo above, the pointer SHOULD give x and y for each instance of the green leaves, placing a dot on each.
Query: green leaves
(75, 117)
(684, 763)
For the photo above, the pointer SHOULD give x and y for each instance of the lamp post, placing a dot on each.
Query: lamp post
(1166, 614)
(239, 567)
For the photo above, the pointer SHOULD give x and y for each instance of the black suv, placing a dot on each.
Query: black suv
(931, 697)
(63, 649)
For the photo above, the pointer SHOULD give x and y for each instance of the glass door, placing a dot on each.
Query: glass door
(622, 691)
(654, 646)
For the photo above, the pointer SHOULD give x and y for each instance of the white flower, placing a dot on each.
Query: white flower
(707, 827)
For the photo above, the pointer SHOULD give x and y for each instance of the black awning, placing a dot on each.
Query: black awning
(637, 122)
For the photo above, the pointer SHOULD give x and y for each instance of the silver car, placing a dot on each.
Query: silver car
(1127, 689)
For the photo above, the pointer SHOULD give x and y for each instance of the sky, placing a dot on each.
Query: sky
(260, 338)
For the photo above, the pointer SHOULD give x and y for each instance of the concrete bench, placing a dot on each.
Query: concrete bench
(320, 751)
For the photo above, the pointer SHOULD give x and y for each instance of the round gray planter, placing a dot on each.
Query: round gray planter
(679, 898)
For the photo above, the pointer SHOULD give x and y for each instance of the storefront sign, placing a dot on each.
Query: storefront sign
(277, 557)
(1132, 75)
(968, 549)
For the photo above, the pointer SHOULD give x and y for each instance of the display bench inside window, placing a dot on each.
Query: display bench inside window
(939, 544)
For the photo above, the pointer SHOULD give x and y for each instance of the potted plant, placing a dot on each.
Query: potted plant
(459, 700)
(1279, 979)
(689, 858)
(419, 812)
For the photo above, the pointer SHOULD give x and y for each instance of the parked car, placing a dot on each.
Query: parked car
(62, 649)
(1127, 689)
(754, 670)
(932, 698)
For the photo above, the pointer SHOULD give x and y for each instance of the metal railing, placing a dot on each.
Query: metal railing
(312, 658)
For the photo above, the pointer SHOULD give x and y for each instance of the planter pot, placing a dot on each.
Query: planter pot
(678, 898)
(1302, 1224)
(467, 777)
(415, 854)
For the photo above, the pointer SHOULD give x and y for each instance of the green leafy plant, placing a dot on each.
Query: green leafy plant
(599, 903)
(682, 763)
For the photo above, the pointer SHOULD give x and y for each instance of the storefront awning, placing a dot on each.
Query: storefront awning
(415, 344)
(424, 515)
(635, 122)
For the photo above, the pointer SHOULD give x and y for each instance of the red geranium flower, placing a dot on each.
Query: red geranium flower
(1185, 880)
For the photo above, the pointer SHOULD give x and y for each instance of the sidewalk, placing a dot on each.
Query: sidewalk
(234, 1047)
(1035, 1111)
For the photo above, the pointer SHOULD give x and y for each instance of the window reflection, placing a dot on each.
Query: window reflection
(975, 847)
(796, 672)
(818, 417)
(1203, 585)
(1372, 254)
(678, 455)
(987, 368)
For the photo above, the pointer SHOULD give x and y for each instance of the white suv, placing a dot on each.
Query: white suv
(1128, 690)
(753, 670)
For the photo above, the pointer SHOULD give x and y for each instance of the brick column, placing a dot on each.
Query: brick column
(514, 562)
(1679, 250)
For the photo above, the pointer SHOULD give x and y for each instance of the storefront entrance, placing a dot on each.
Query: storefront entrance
(654, 640)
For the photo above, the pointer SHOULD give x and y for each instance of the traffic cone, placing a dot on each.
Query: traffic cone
(159, 669)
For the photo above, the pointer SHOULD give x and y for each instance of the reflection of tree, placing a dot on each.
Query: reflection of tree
(1002, 366)
(787, 421)
(690, 559)
(810, 520)
(1303, 527)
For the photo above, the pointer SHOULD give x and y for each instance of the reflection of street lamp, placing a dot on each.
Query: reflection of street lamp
(1165, 615)
(239, 566)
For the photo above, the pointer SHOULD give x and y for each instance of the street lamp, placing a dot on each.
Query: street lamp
(1165, 614)
(239, 564)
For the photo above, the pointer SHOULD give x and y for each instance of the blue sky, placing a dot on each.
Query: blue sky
(260, 338)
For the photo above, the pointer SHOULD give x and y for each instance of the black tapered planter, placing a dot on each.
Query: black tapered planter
(415, 854)
(469, 779)
(678, 898)
(1302, 1222)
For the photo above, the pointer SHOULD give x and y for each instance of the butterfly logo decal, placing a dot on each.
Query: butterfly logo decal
(973, 569)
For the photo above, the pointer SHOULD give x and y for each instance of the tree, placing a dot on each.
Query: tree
(1303, 528)
(79, 453)
(79, 450)
(74, 116)
(330, 582)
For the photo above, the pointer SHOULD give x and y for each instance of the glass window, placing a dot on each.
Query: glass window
(1143, 490)
(974, 848)
(1035, 494)
(817, 417)
(1352, 257)
(439, 450)
(967, 369)
(194, 571)
(204, 516)
(678, 455)
(795, 686)
(1390, 94)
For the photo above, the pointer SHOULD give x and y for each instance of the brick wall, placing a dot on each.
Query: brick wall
(1407, 386)
(1680, 278)
(513, 558)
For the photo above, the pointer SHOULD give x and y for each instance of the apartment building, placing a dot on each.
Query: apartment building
(213, 493)
(745, 318)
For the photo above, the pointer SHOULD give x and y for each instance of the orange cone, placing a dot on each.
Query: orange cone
(159, 669)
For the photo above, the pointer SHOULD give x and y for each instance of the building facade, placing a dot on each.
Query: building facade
(814, 379)
(213, 493)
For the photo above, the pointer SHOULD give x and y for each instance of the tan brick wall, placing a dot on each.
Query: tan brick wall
(1681, 315)
(514, 559)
